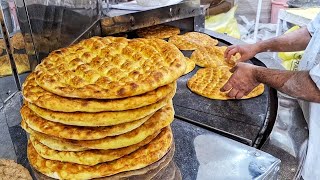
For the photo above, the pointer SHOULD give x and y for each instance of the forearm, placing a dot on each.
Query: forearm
(294, 83)
(293, 41)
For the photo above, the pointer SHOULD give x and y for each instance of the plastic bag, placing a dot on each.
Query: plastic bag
(290, 60)
(224, 23)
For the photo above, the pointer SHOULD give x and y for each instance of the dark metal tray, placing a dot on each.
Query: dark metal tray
(243, 120)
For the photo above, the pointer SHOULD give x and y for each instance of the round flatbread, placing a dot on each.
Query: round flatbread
(50, 141)
(158, 31)
(88, 157)
(13, 171)
(5, 66)
(33, 93)
(22, 62)
(110, 68)
(207, 82)
(192, 41)
(107, 118)
(212, 56)
(141, 158)
(17, 41)
(190, 65)
(159, 120)
(76, 132)
(148, 172)
(3, 44)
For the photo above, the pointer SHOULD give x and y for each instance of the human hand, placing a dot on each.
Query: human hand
(242, 81)
(247, 51)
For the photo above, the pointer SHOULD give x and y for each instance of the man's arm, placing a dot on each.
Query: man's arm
(294, 83)
(297, 84)
(294, 41)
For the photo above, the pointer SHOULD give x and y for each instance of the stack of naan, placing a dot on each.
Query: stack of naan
(101, 107)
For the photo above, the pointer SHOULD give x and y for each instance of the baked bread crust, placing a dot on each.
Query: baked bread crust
(105, 118)
(110, 68)
(141, 158)
(17, 41)
(207, 82)
(159, 120)
(190, 65)
(192, 41)
(88, 157)
(21, 61)
(158, 31)
(33, 93)
(212, 56)
(76, 132)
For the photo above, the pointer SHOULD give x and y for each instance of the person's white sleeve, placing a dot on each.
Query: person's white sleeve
(315, 75)
(314, 25)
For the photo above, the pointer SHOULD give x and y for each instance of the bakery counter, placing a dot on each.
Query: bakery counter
(199, 153)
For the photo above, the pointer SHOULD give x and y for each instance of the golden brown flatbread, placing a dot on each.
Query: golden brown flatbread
(233, 59)
(106, 118)
(76, 132)
(21, 61)
(192, 41)
(46, 43)
(207, 82)
(50, 141)
(17, 41)
(3, 44)
(13, 171)
(212, 56)
(159, 120)
(149, 172)
(141, 158)
(5, 66)
(110, 68)
(88, 157)
(45, 99)
(158, 31)
(190, 65)
(146, 173)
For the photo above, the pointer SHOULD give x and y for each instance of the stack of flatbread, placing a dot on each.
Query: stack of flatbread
(101, 107)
